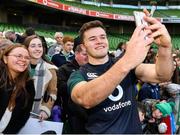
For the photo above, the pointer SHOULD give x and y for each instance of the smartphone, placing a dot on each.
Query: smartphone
(138, 16)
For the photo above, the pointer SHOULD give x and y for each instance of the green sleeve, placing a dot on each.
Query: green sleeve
(75, 78)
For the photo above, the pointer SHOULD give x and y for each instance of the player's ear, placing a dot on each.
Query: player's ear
(83, 46)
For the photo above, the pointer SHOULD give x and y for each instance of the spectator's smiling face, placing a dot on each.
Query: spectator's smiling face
(17, 61)
(96, 43)
(35, 48)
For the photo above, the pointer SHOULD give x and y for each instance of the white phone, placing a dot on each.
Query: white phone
(138, 16)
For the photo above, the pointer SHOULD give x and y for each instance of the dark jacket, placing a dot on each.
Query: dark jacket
(72, 112)
(63, 75)
(60, 59)
(149, 91)
(19, 39)
(21, 112)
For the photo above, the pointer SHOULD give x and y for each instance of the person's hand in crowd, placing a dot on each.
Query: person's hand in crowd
(159, 31)
(43, 116)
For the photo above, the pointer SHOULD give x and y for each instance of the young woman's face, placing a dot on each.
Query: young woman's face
(17, 61)
(35, 48)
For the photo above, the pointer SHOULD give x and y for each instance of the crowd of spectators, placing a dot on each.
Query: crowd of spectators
(73, 80)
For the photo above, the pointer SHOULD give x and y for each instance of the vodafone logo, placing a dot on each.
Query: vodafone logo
(119, 96)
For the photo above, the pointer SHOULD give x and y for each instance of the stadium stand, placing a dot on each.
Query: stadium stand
(114, 38)
(124, 11)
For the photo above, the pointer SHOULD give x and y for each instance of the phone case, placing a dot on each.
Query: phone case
(138, 16)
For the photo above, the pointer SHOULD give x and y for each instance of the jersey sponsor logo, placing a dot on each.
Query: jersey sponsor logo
(92, 75)
(117, 106)
(119, 96)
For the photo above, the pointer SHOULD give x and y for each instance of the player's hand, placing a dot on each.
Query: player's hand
(138, 46)
(159, 31)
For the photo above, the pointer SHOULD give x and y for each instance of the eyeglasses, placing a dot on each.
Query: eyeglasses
(20, 57)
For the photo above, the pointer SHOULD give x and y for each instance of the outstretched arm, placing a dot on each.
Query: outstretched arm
(162, 70)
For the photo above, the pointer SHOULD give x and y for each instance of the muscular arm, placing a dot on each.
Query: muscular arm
(89, 94)
(162, 70)
(164, 63)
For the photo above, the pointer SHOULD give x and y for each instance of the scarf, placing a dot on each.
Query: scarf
(41, 76)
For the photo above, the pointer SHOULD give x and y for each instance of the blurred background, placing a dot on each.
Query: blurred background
(67, 16)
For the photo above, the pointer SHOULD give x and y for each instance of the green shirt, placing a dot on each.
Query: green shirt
(75, 78)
